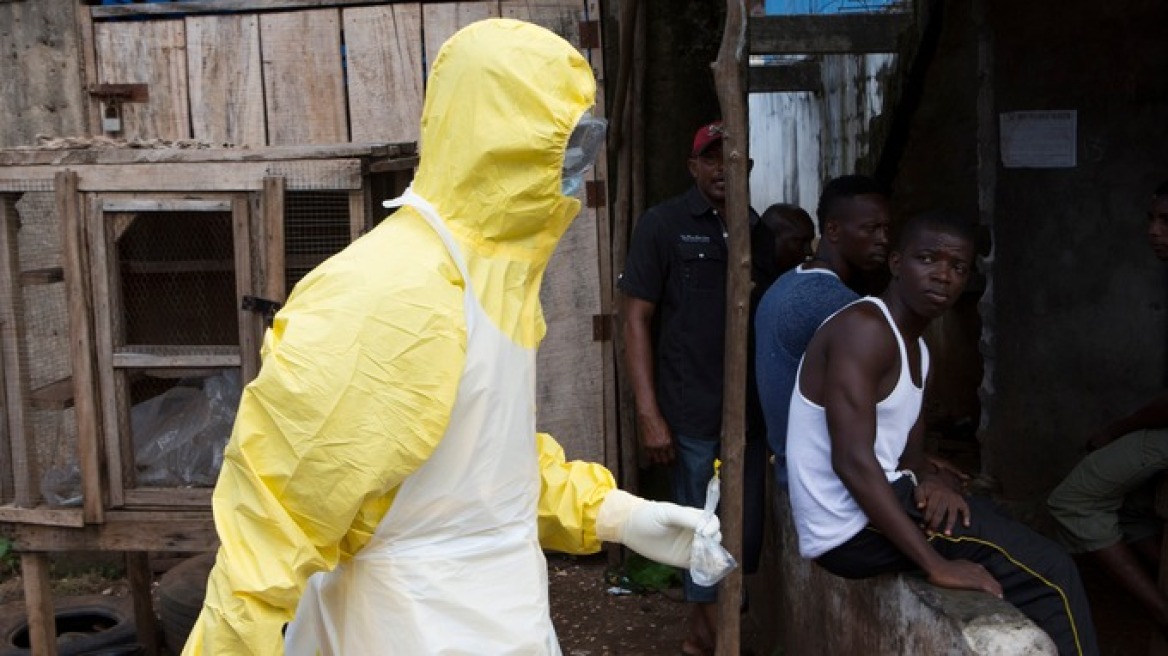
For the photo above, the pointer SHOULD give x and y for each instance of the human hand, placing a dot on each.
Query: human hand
(964, 575)
(940, 506)
(663, 532)
(656, 439)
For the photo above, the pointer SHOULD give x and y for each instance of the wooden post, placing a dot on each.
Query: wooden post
(85, 393)
(138, 572)
(729, 76)
(272, 201)
(622, 219)
(38, 597)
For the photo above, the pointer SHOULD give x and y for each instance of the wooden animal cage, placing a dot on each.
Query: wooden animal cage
(136, 284)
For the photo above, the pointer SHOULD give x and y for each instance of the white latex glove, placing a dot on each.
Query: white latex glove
(657, 530)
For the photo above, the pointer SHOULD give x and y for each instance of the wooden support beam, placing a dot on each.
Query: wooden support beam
(169, 531)
(827, 33)
(38, 597)
(42, 515)
(222, 6)
(792, 76)
(190, 177)
(272, 201)
(250, 323)
(131, 359)
(82, 156)
(140, 576)
(730, 83)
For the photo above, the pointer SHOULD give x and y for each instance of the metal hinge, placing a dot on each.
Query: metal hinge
(594, 193)
(590, 34)
(601, 327)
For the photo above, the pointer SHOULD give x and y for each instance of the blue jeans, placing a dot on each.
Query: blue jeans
(692, 469)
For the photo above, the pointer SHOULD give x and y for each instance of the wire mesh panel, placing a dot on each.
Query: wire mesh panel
(169, 340)
(46, 366)
(177, 278)
(316, 226)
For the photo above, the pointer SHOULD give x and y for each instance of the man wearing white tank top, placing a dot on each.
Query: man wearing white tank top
(864, 498)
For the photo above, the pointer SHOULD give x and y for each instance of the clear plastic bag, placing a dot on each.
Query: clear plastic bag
(709, 562)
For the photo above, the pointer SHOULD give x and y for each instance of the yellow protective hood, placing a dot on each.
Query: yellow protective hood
(491, 157)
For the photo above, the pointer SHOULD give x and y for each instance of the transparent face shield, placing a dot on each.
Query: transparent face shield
(584, 146)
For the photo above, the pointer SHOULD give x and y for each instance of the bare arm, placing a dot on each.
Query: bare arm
(860, 352)
(1152, 415)
(638, 333)
(938, 495)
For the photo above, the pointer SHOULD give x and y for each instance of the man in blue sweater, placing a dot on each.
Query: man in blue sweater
(854, 220)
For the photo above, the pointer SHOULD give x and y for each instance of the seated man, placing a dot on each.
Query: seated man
(1104, 506)
(853, 221)
(793, 232)
(863, 497)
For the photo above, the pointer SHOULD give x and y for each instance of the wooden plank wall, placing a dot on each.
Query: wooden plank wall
(41, 89)
(226, 85)
(303, 81)
(152, 53)
(283, 78)
(385, 71)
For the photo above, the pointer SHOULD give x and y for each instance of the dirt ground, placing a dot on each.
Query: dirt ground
(589, 620)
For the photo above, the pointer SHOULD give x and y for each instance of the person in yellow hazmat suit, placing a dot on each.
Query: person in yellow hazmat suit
(385, 490)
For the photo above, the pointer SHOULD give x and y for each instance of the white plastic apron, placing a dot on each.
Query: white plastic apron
(455, 566)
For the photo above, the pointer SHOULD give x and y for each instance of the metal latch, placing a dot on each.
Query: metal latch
(262, 306)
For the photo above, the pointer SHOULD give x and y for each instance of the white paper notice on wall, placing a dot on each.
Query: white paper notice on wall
(1039, 139)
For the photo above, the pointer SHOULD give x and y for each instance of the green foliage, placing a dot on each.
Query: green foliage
(640, 575)
(9, 559)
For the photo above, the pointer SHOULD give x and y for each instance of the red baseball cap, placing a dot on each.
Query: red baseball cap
(706, 136)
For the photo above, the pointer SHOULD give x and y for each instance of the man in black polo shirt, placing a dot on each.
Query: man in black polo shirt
(674, 286)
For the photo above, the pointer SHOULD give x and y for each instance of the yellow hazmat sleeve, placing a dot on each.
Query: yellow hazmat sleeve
(570, 497)
(359, 377)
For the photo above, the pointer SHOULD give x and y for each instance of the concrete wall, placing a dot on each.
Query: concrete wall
(1078, 302)
(40, 72)
(894, 614)
(1079, 298)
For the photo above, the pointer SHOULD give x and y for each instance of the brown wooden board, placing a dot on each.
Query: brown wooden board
(560, 16)
(42, 634)
(570, 398)
(398, 151)
(303, 77)
(40, 72)
(604, 275)
(83, 391)
(226, 83)
(151, 53)
(443, 20)
(99, 282)
(195, 177)
(383, 48)
(170, 531)
(249, 322)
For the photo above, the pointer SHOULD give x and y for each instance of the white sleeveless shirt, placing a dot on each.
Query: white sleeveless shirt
(826, 515)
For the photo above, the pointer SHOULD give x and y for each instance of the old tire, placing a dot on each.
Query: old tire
(86, 626)
(180, 598)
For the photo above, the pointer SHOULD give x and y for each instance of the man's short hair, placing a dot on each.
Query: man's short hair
(943, 221)
(843, 188)
(778, 216)
(1162, 190)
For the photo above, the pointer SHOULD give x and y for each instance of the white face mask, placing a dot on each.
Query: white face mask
(584, 146)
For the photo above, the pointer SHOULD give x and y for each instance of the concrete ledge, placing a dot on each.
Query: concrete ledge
(894, 614)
